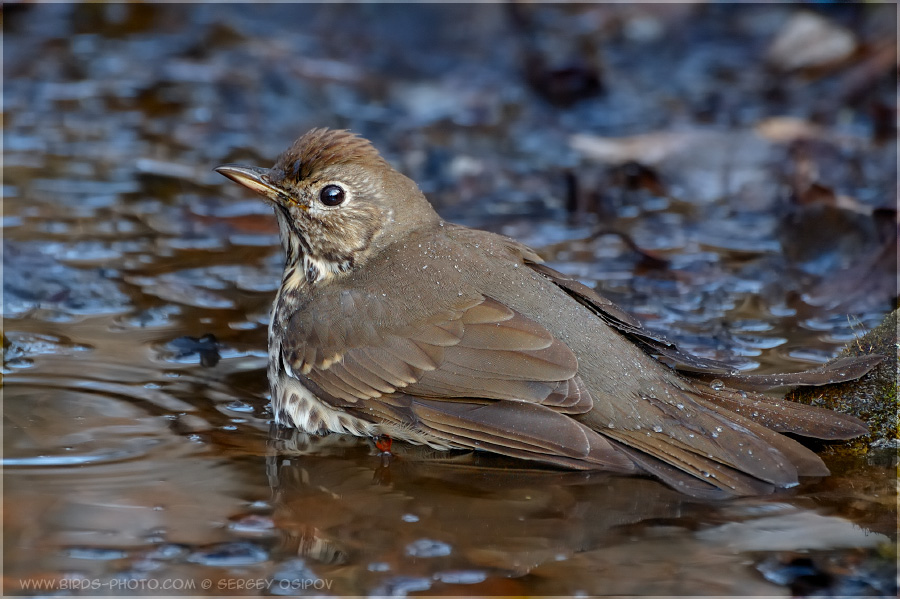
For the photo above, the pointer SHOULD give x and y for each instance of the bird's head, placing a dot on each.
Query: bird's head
(338, 202)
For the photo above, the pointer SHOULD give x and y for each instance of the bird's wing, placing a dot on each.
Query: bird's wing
(516, 429)
(479, 348)
(477, 375)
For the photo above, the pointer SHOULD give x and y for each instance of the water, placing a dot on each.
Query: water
(138, 453)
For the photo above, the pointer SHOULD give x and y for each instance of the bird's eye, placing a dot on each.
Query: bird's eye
(332, 195)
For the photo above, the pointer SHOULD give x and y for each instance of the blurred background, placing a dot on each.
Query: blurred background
(726, 172)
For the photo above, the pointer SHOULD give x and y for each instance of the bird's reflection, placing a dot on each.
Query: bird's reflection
(422, 513)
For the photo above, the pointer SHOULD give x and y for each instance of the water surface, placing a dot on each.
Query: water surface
(138, 452)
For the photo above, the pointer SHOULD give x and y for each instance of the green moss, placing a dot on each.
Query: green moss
(871, 398)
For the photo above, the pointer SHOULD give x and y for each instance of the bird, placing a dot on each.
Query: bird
(392, 323)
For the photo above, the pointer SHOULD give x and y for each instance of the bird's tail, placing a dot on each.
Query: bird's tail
(747, 455)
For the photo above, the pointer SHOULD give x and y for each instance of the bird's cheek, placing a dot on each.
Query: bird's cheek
(301, 211)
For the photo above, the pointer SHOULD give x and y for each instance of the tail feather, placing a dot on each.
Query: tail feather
(725, 440)
(840, 370)
(709, 468)
(785, 416)
(806, 462)
(689, 484)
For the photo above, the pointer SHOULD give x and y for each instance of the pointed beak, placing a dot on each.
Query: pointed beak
(255, 179)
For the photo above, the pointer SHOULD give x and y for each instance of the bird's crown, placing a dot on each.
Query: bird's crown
(321, 148)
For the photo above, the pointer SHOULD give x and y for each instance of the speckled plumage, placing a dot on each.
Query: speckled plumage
(391, 321)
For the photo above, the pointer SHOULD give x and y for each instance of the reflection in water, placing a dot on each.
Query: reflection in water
(113, 480)
(128, 459)
(470, 523)
(458, 519)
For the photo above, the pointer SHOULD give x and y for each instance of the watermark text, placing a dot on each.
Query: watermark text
(179, 585)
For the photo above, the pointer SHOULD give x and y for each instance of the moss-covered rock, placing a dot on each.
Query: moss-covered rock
(871, 398)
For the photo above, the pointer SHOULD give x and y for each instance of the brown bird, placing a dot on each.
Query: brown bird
(391, 321)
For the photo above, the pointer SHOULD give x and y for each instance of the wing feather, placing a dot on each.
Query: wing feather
(534, 429)
(381, 363)
(479, 349)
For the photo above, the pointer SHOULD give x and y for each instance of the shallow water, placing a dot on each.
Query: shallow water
(138, 455)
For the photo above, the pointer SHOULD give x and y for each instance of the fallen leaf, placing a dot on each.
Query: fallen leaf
(809, 40)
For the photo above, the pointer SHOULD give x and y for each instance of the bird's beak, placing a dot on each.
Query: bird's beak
(255, 179)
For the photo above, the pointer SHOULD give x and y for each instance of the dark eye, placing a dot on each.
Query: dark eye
(331, 195)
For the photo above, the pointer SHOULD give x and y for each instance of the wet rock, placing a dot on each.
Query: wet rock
(872, 398)
(207, 347)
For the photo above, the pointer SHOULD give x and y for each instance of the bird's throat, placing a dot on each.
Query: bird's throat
(308, 272)
(317, 270)
(301, 266)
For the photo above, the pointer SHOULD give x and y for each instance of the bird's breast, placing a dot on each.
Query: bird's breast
(295, 405)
